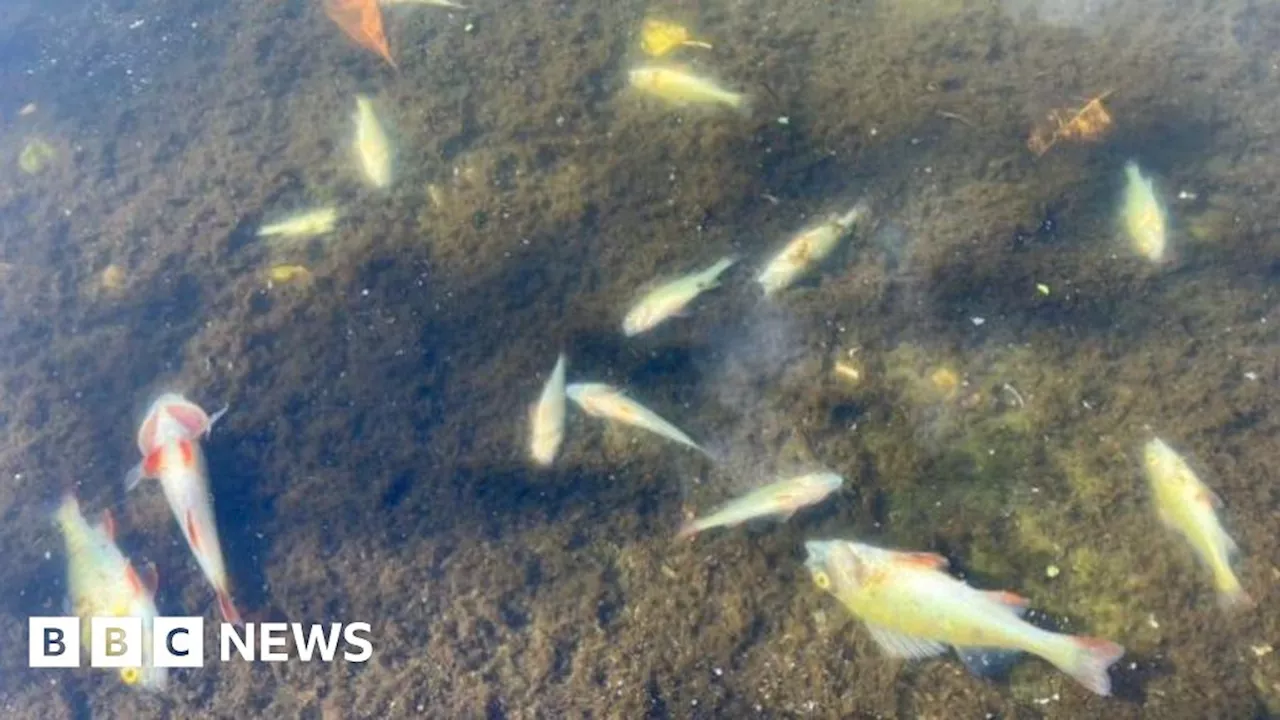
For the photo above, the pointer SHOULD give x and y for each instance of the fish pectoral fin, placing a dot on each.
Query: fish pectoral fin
(987, 662)
(108, 525)
(896, 644)
(1012, 601)
(137, 474)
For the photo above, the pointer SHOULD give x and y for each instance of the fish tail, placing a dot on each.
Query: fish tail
(228, 609)
(1087, 659)
(744, 104)
(1231, 595)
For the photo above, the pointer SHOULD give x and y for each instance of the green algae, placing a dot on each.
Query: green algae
(36, 155)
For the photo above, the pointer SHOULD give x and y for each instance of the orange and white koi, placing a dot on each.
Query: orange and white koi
(169, 440)
(913, 609)
(1188, 507)
(101, 582)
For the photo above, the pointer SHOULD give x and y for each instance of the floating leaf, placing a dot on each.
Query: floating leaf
(659, 37)
(361, 20)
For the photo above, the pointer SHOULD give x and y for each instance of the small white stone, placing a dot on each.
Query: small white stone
(784, 120)
(977, 321)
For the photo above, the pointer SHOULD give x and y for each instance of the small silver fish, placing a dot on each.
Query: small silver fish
(610, 403)
(671, 298)
(546, 418)
(780, 499)
(807, 249)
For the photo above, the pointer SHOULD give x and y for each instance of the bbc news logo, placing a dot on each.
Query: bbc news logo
(178, 642)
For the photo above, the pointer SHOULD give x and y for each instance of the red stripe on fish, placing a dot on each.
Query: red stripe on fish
(192, 536)
(152, 463)
(186, 453)
(933, 561)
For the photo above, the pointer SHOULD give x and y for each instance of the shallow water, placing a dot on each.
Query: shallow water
(373, 465)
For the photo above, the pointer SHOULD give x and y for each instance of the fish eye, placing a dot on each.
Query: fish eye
(822, 580)
(130, 675)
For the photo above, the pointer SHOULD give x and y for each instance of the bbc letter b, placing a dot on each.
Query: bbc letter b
(53, 642)
(115, 642)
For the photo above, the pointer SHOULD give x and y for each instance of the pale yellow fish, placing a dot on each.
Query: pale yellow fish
(287, 274)
(372, 147)
(914, 609)
(546, 418)
(1187, 506)
(671, 298)
(807, 249)
(610, 403)
(1143, 215)
(779, 499)
(302, 224)
(680, 87)
(101, 582)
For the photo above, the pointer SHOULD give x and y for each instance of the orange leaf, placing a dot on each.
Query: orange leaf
(361, 20)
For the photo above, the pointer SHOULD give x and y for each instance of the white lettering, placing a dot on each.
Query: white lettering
(274, 636)
(349, 634)
(244, 645)
(327, 642)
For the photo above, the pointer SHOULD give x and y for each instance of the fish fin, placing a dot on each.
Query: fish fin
(1089, 662)
(108, 525)
(1165, 519)
(135, 581)
(191, 417)
(228, 609)
(189, 526)
(932, 561)
(987, 662)
(148, 468)
(896, 644)
(1235, 599)
(214, 418)
(1209, 497)
(688, 530)
(1012, 601)
(150, 577)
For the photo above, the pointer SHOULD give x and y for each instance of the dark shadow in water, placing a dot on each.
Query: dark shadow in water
(242, 512)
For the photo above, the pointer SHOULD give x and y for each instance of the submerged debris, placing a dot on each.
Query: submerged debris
(36, 156)
(1088, 124)
(361, 20)
(659, 37)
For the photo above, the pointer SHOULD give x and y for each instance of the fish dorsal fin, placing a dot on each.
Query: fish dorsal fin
(108, 525)
(987, 662)
(1012, 601)
(896, 644)
(928, 561)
